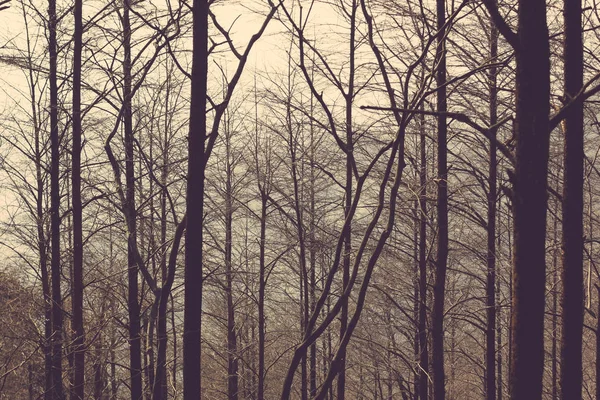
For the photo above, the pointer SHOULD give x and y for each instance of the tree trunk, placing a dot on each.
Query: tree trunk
(572, 210)
(232, 356)
(42, 244)
(490, 354)
(439, 289)
(598, 345)
(193, 280)
(160, 384)
(133, 306)
(349, 98)
(98, 369)
(312, 251)
(422, 314)
(530, 200)
(57, 392)
(77, 391)
(261, 297)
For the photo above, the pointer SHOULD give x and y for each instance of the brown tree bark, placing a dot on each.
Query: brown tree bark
(490, 334)
(193, 280)
(77, 391)
(42, 241)
(160, 390)
(572, 210)
(232, 356)
(133, 306)
(349, 99)
(262, 282)
(439, 288)
(598, 345)
(57, 392)
(423, 380)
(529, 200)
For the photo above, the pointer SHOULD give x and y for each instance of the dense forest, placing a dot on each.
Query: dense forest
(300, 199)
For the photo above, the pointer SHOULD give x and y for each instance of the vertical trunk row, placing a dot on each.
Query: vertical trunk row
(572, 210)
(193, 280)
(133, 306)
(490, 353)
(437, 317)
(77, 392)
(57, 392)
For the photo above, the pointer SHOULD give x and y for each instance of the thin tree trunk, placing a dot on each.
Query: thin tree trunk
(572, 210)
(439, 289)
(262, 273)
(598, 345)
(175, 363)
(162, 300)
(555, 312)
(422, 317)
(490, 355)
(57, 392)
(133, 306)
(261, 297)
(499, 359)
(161, 367)
(42, 242)
(232, 356)
(78, 345)
(98, 369)
(160, 385)
(349, 98)
(312, 252)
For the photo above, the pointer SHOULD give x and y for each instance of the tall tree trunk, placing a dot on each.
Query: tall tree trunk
(572, 210)
(422, 317)
(499, 358)
(261, 296)
(133, 306)
(42, 243)
(160, 389)
(530, 200)
(304, 281)
(98, 369)
(232, 356)
(77, 391)
(193, 280)
(598, 345)
(490, 334)
(57, 392)
(262, 273)
(349, 98)
(555, 311)
(160, 384)
(312, 251)
(439, 289)
(175, 364)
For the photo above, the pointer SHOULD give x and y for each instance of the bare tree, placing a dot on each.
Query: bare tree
(572, 208)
